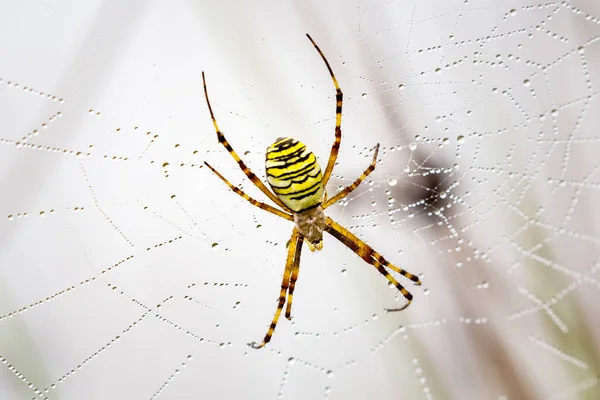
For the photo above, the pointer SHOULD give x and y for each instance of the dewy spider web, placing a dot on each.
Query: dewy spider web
(128, 271)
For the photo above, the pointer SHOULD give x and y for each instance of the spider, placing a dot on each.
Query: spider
(298, 188)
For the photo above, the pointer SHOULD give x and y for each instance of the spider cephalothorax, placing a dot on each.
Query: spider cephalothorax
(311, 224)
(294, 174)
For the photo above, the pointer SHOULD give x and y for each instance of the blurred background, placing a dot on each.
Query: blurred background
(128, 270)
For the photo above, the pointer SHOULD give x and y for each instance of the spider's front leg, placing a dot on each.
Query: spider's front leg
(372, 257)
(294, 277)
(291, 264)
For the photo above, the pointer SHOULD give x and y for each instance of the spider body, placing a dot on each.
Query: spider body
(294, 174)
(311, 224)
(298, 188)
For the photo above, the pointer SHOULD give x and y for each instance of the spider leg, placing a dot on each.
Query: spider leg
(338, 117)
(367, 253)
(257, 182)
(345, 192)
(401, 271)
(294, 243)
(258, 204)
(294, 277)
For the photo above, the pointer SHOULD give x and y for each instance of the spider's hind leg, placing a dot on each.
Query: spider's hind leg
(335, 148)
(251, 175)
(256, 203)
(346, 191)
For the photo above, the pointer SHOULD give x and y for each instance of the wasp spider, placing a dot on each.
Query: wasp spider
(298, 185)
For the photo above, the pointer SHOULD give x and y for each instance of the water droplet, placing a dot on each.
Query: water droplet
(412, 146)
(513, 12)
(527, 82)
(215, 244)
(364, 95)
(460, 139)
(392, 181)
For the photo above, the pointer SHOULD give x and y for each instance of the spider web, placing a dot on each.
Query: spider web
(129, 271)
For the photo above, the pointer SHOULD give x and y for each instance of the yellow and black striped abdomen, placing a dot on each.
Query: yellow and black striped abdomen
(294, 174)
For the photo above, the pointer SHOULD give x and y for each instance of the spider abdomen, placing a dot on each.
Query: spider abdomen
(294, 174)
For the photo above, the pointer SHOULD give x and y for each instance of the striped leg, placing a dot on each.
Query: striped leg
(357, 182)
(294, 277)
(241, 163)
(258, 204)
(401, 271)
(365, 252)
(338, 117)
(284, 288)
